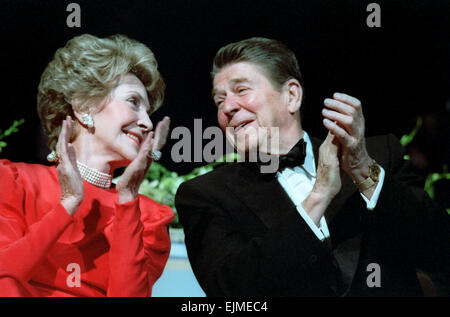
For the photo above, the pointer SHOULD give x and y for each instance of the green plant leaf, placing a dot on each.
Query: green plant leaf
(433, 178)
(408, 138)
(12, 128)
(2, 145)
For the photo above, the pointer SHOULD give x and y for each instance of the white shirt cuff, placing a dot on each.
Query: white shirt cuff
(372, 203)
(321, 231)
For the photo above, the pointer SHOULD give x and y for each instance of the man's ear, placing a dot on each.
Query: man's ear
(294, 94)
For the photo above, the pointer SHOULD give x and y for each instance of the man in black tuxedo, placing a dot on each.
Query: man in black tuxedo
(342, 217)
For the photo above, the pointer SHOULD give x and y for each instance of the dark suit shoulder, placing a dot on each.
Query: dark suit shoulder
(383, 141)
(386, 150)
(216, 176)
(210, 184)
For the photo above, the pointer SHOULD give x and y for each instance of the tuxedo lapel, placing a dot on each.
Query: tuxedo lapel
(261, 193)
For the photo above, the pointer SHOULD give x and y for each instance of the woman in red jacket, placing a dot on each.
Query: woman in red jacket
(64, 229)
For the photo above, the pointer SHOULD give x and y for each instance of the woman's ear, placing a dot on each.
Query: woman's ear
(294, 93)
(77, 116)
(83, 119)
(76, 109)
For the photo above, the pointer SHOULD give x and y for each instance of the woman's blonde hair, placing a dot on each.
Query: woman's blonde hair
(86, 70)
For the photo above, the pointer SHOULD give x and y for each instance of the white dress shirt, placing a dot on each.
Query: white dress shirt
(298, 183)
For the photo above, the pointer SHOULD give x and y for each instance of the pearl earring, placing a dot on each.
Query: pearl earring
(53, 157)
(88, 120)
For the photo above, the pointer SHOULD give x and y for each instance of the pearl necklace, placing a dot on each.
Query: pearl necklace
(94, 177)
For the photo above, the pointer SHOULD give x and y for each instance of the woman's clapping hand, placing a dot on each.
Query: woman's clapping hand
(131, 179)
(72, 189)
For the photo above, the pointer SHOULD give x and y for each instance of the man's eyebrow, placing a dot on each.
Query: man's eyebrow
(240, 80)
(233, 81)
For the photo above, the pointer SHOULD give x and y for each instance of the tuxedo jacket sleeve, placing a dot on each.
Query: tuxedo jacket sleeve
(245, 237)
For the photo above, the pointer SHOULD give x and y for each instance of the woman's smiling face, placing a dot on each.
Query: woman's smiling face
(123, 121)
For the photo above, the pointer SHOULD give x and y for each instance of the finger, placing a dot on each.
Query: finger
(342, 136)
(352, 101)
(339, 106)
(161, 133)
(333, 143)
(65, 149)
(141, 162)
(65, 138)
(61, 140)
(146, 147)
(69, 129)
(137, 169)
(329, 137)
(72, 154)
(343, 120)
(146, 153)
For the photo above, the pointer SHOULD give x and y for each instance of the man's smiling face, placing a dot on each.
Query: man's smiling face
(247, 101)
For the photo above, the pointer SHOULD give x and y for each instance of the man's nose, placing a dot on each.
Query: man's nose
(230, 105)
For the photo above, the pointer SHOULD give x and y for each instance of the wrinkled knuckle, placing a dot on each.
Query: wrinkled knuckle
(350, 121)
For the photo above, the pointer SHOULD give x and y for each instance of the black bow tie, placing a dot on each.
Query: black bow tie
(295, 157)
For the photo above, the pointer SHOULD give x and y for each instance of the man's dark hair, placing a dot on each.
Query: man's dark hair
(276, 60)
